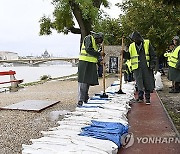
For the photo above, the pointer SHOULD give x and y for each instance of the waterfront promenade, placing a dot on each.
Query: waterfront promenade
(18, 127)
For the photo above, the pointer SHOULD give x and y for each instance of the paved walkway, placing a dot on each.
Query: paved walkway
(151, 122)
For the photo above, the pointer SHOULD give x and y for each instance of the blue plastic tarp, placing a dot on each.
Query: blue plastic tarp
(115, 84)
(105, 130)
(109, 92)
(91, 106)
(95, 103)
(98, 98)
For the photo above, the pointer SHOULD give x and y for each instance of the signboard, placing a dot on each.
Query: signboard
(113, 64)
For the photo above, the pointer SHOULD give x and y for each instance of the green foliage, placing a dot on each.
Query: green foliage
(68, 12)
(169, 2)
(45, 77)
(88, 10)
(45, 26)
(63, 17)
(155, 21)
(112, 30)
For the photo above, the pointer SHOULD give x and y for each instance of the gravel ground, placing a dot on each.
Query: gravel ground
(171, 102)
(18, 127)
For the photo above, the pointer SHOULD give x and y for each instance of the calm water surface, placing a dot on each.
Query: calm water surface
(31, 74)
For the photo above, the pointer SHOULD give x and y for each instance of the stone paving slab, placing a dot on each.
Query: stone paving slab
(30, 105)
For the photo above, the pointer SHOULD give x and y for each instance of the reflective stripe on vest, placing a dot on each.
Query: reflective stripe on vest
(134, 55)
(174, 57)
(168, 55)
(128, 63)
(84, 56)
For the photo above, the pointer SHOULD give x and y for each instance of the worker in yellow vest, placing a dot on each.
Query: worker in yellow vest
(174, 66)
(128, 74)
(143, 60)
(168, 52)
(167, 56)
(87, 67)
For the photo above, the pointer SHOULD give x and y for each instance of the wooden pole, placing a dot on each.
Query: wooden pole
(104, 84)
(120, 67)
(121, 62)
(104, 71)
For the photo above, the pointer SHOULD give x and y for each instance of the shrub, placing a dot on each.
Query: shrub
(45, 77)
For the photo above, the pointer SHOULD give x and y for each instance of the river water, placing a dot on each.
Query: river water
(31, 74)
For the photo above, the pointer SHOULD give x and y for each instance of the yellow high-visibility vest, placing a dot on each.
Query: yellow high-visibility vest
(174, 57)
(84, 56)
(134, 55)
(168, 55)
(128, 63)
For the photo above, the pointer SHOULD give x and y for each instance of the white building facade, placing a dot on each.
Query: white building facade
(6, 55)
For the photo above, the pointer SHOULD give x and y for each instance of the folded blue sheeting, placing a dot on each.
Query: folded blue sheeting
(105, 130)
(98, 98)
(91, 107)
(94, 103)
(110, 92)
(115, 84)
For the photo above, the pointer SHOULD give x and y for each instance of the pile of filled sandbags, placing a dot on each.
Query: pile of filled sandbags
(96, 127)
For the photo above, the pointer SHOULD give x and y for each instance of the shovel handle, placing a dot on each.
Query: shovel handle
(104, 69)
(121, 62)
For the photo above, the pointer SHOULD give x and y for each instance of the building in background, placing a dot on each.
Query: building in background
(6, 55)
(46, 54)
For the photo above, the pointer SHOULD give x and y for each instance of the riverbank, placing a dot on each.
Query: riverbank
(18, 127)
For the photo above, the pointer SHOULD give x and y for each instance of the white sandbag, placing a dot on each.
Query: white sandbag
(158, 81)
(64, 139)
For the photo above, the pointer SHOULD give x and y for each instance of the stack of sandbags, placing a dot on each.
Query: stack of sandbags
(96, 127)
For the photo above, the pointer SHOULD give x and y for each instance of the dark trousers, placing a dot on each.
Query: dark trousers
(83, 89)
(141, 94)
(128, 76)
(100, 70)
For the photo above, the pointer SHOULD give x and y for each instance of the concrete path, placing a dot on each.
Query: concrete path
(153, 131)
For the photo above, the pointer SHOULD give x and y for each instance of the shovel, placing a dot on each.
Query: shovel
(120, 68)
(104, 69)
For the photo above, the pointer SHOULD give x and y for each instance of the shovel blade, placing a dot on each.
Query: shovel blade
(120, 92)
(103, 96)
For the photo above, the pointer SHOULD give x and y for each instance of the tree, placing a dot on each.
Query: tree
(169, 2)
(154, 20)
(112, 30)
(68, 12)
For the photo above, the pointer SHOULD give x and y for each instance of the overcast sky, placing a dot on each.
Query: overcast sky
(19, 29)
